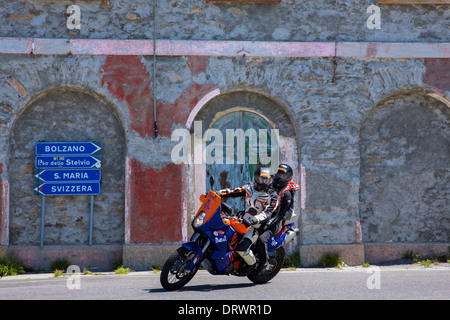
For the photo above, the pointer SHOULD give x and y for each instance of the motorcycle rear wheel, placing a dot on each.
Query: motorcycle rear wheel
(175, 273)
(276, 261)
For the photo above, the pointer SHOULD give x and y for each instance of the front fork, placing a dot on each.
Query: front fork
(193, 245)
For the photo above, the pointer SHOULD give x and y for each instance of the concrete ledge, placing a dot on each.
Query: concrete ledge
(95, 257)
(373, 253)
(351, 254)
(143, 257)
(3, 250)
(386, 252)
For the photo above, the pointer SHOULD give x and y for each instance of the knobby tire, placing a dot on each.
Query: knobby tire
(277, 261)
(170, 268)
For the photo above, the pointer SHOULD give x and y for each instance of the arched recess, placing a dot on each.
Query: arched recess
(405, 172)
(67, 114)
(227, 105)
(237, 144)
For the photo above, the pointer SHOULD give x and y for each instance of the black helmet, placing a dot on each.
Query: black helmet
(283, 176)
(262, 179)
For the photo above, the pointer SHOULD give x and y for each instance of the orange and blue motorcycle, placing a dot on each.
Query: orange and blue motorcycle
(213, 244)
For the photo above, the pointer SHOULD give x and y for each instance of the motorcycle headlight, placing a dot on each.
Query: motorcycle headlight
(199, 219)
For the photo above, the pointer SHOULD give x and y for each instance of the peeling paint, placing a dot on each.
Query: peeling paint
(16, 84)
(197, 64)
(128, 80)
(437, 74)
(155, 204)
(184, 104)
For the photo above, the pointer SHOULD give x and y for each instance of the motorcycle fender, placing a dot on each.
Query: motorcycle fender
(193, 246)
(275, 242)
(198, 258)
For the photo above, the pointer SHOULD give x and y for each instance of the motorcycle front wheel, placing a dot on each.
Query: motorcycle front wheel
(276, 261)
(175, 273)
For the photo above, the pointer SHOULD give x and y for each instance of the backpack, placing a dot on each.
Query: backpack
(292, 188)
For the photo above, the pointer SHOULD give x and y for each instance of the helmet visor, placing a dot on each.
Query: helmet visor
(263, 179)
(281, 175)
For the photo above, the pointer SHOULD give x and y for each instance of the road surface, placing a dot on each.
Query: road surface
(374, 283)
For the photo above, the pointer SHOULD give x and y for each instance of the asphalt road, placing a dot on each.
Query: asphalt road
(376, 283)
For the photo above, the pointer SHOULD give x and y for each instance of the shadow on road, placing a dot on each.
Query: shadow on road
(205, 287)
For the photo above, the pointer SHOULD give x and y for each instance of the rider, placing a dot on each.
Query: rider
(260, 196)
(282, 183)
(285, 189)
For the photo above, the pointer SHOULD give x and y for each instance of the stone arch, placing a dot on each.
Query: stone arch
(266, 106)
(220, 104)
(67, 114)
(404, 173)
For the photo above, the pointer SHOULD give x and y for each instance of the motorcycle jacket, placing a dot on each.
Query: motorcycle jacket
(265, 202)
(286, 196)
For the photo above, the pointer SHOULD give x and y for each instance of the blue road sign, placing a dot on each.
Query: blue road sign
(67, 162)
(67, 148)
(68, 168)
(69, 175)
(68, 189)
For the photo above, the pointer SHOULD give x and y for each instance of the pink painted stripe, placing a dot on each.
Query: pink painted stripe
(302, 187)
(223, 48)
(4, 214)
(392, 50)
(244, 48)
(16, 45)
(93, 47)
(128, 210)
(200, 105)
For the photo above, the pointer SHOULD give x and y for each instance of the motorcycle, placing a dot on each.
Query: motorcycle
(217, 233)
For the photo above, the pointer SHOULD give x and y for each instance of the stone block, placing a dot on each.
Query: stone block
(351, 254)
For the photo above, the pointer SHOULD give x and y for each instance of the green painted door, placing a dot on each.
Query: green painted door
(239, 142)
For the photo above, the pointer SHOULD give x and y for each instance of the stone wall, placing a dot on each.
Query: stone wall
(291, 20)
(369, 136)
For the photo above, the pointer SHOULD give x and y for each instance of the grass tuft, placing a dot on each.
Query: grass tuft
(122, 270)
(10, 267)
(293, 261)
(331, 260)
(60, 264)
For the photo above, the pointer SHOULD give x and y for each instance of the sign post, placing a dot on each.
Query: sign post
(67, 168)
(42, 221)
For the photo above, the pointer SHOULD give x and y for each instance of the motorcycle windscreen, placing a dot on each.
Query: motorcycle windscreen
(215, 222)
(211, 207)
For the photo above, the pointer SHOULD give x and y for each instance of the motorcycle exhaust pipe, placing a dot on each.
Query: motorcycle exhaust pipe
(291, 234)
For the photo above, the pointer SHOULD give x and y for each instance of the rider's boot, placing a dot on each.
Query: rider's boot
(264, 264)
(243, 249)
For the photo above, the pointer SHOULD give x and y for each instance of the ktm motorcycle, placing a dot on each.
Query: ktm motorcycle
(212, 245)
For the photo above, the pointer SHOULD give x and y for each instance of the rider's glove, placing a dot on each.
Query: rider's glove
(250, 221)
(223, 192)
